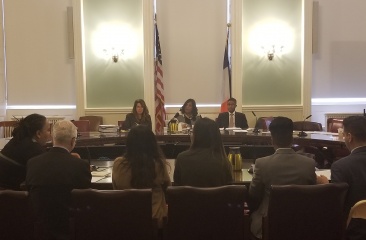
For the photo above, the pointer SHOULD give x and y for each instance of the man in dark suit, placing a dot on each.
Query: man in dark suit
(232, 118)
(51, 177)
(352, 170)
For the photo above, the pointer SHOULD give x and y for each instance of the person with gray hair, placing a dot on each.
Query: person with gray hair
(50, 179)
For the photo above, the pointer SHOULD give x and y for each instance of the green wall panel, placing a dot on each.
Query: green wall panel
(276, 82)
(109, 84)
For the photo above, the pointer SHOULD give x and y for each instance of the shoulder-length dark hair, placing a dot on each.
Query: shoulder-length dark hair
(28, 126)
(206, 134)
(142, 153)
(145, 113)
(194, 107)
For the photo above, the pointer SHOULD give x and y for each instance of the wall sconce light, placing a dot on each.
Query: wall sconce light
(271, 51)
(114, 54)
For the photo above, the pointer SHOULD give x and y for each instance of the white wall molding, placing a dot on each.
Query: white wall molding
(79, 56)
(149, 86)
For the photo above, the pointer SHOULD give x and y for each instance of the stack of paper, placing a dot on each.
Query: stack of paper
(108, 128)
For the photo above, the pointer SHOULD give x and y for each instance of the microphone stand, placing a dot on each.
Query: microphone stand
(255, 130)
(302, 133)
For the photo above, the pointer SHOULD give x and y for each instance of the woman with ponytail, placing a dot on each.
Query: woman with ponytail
(29, 139)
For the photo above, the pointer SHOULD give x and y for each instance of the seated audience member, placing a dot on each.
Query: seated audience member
(352, 170)
(143, 166)
(205, 164)
(285, 166)
(232, 118)
(50, 178)
(139, 115)
(188, 113)
(29, 138)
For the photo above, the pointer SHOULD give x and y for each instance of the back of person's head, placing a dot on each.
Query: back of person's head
(281, 129)
(141, 154)
(356, 126)
(28, 126)
(63, 132)
(206, 134)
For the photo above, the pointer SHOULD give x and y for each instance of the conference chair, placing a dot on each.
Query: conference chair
(206, 213)
(7, 128)
(307, 126)
(357, 211)
(94, 121)
(333, 124)
(82, 125)
(112, 215)
(263, 123)
(304, 212)
(16, 218)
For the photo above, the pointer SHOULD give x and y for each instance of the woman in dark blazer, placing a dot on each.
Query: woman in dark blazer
(139, 115)
(29, 139)
(205, 164)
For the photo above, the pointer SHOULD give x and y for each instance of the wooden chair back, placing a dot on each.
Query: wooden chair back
(82, 125)
(304, 212)
(333, 124)
(263, 123)
(206, 213)
(307, 126)
(357, 211)
(7, 128)
(112, 215)
(94, 121)
(16, 217)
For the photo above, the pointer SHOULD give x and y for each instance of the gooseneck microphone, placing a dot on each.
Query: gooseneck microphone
(255, 130)
(302, 133)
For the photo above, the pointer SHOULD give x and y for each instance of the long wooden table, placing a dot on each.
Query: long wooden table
(102, 177)
(323, 139)
(94, 145)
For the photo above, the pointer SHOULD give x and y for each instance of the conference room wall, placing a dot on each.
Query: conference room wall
(347, 14)
(39, 71)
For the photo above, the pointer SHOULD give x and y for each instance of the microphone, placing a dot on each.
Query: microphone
(255, 130)
(302, 133)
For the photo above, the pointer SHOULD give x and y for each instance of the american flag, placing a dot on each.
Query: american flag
(226, 80)
(159, 87)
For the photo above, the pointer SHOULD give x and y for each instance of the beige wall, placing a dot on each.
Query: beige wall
(39, 71)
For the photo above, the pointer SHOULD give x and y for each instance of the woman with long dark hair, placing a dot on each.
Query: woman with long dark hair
(188, 113)
(139, 116)
(205, 164)
(143, 166)
(29, 139)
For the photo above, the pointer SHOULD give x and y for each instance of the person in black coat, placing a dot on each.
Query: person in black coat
(238, 119)
(50, 179)
(29, 139)
(352, 170)
(139, 115)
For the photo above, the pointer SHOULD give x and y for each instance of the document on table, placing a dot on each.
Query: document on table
(325, 172)
(99, 173)
(96, 179)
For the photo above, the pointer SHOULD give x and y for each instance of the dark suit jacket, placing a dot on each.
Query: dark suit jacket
(240, 120)
(131, 121)
(50, 178)
(352, 170)
(13, 174)
(196, 167)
